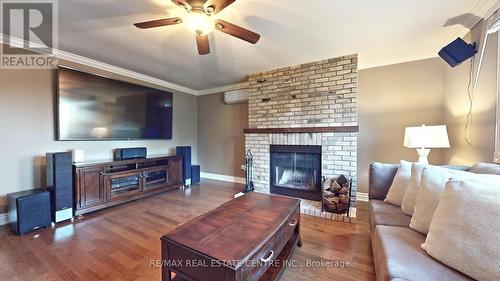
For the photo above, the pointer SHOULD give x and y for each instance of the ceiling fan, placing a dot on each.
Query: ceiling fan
(200, 20)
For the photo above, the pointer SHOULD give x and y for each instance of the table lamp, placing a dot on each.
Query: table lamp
(423, 138)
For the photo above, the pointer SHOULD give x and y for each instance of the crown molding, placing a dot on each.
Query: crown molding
(482, 9)
(105, 66)
(225, 88)
(493, 8)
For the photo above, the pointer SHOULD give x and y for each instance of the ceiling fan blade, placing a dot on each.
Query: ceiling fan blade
(218, 5)
(158, 23)
(203, 46)
(236, 31)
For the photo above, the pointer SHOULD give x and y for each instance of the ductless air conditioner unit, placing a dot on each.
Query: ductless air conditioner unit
(237, 96)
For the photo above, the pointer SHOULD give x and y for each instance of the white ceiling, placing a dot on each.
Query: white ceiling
(293, 32)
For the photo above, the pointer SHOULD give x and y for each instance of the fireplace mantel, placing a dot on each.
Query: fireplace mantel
(335, 129)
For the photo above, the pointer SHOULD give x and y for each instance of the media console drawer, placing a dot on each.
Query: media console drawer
(246, 239)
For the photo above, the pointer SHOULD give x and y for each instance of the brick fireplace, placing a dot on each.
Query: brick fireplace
(313, 104)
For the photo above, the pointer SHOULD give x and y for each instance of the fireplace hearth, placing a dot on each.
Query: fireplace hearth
(295, 170)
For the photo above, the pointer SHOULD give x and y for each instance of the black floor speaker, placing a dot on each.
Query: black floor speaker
(185, 153)
(60, 185)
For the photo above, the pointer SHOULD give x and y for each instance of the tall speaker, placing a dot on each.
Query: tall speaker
(185, 153)
(60, 185)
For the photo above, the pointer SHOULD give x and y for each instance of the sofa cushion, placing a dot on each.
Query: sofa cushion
(380, 179)
(397, 255)
(382, 213)
(399, 184)
(410, 197)
(466, 236)
(432, 185)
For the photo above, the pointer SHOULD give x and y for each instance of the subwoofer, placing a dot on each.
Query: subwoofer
(195, 174)
(29, 210)
(60, 185)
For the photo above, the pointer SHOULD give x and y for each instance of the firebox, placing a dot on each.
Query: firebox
(296, 171)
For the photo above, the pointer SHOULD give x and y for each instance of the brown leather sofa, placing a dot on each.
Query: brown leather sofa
(396, 247)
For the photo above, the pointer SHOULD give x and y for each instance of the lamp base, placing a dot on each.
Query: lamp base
(423, 153)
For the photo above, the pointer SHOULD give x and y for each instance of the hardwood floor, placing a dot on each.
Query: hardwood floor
(123, 242)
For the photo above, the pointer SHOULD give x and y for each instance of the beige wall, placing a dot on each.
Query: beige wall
(390, 99)
(484, 109)
(221, 142)
(27, 128)
(431, 92)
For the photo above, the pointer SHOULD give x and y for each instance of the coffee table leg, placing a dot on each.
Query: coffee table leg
(166, 274)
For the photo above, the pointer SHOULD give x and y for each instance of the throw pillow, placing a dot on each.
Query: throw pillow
(464, 232)
(485, 168)
(400, 184)
(432, 184)
(410, 197)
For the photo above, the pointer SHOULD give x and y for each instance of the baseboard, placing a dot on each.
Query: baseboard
(4, 219)
(362, 196)
(222, 177)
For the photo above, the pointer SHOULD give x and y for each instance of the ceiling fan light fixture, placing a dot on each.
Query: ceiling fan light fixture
(210, 10)
(199, 23)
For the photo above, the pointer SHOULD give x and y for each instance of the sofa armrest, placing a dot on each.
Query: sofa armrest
(380, 179)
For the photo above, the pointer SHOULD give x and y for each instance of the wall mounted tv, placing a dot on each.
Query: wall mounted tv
(91, 107)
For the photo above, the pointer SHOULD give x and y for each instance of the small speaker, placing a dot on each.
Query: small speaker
(457, 52)
(195, 174)
(29, 210)
(130, 153)
(60, 185)
(185, 153)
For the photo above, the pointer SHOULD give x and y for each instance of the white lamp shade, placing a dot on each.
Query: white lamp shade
(427, 137)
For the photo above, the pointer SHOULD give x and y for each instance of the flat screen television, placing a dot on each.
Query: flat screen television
(91, 107)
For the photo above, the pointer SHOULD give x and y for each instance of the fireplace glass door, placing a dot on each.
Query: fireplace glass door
(296, 171)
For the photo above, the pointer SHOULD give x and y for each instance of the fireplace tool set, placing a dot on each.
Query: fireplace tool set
(249, 172)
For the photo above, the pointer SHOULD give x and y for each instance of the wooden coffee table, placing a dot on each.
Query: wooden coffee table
(246, 239)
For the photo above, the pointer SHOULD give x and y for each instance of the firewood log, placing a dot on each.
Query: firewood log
(344, 199)
(341, 208)
(328, 194)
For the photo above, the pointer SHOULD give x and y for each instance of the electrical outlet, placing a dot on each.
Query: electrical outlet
(497, 157)
(243, 167)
